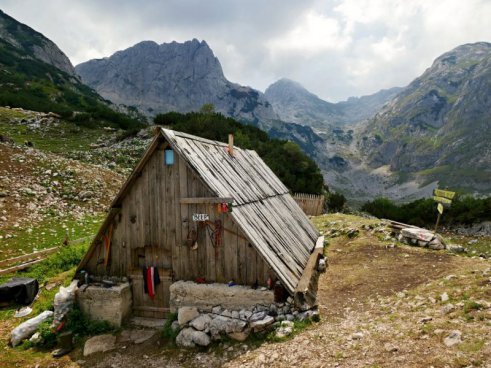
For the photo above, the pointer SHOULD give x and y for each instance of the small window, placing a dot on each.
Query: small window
(169, 156)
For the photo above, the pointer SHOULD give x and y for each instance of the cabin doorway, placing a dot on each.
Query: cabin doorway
(146, 303)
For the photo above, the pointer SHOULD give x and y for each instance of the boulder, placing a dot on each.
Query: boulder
(258, 316)
(261, 324)
(189, 338)
(225, 325)
(285, 329)
(140, 336)
(201, 322)
(454, 248)
(99, 344)
(454, 338)
(186, 314)
(240, 336)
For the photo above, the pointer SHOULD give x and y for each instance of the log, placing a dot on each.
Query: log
(20, 267)
(28, 256)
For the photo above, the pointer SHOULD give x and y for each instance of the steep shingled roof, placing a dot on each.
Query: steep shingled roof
(263, 207)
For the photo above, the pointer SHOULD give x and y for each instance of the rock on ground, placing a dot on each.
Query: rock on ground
(101, 343)
(186, 314)
(201, 323)
(454, 338)
(189, 338)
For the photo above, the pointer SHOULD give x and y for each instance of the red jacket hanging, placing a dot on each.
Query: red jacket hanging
(150, 280)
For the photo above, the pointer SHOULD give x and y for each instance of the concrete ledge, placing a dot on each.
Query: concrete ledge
(206, 296)
(109, 304)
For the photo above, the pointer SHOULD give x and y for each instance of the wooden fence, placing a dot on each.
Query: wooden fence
(27, 260)
(311, 204)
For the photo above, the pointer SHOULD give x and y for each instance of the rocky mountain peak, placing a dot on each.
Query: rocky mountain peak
(172, 76)
(438, 127)
(33, 43)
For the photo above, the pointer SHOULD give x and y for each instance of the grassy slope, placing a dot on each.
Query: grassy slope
(32, 84)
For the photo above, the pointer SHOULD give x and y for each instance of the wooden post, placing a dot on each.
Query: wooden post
(440, 212)
(231, 145)
(437, 221)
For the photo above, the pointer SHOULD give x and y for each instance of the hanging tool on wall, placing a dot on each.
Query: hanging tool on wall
(214, 230)
(107, 244)
(192, 239)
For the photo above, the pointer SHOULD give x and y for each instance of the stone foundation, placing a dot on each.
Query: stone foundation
(206, 296)
(208, 312)
(109, 304)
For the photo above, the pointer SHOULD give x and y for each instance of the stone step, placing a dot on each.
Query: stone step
(155, 323)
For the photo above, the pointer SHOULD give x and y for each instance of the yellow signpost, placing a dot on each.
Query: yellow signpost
(442, 200)
(442, 197)
(444, 193)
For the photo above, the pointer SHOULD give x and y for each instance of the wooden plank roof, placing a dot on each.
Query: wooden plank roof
(263, 207)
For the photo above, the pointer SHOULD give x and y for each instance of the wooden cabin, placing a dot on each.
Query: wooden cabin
(204, 211)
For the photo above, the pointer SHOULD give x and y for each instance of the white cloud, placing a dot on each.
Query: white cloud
(314, 33)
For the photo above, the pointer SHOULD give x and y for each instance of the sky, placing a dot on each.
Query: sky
(334, 48)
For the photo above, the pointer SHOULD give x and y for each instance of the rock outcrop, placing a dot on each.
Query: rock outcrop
(33, 43)
(439, 127)
(173, 76)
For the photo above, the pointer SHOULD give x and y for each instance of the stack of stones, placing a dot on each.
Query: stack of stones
(199, 327)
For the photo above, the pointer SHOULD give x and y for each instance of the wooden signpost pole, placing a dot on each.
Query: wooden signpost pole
(442, 196)
(437, 221)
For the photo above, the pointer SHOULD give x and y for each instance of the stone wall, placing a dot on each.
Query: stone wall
(208, 312)
(206, 296)
(111, 304)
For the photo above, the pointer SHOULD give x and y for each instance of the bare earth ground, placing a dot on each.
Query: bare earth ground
(380, 307)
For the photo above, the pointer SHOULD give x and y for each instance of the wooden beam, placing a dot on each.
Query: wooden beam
(205, 200)
(151, 309)
(28, 256)
(303, 283)
(20, 267)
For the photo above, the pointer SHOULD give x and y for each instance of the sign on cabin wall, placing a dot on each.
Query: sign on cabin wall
(200, 217)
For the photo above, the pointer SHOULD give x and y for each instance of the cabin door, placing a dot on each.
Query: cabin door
(145, 304)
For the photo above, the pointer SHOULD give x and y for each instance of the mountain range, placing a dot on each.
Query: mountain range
(399, 143)
(179, 77)
(293, 103)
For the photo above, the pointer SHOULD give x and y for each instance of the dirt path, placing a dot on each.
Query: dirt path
(382, 307)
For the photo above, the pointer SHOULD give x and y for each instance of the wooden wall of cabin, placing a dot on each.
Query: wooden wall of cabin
(153, 227)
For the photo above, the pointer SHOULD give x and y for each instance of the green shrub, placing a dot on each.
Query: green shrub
(335, 202)
(81, 325)
(167, 332)
(63, 260)
(423, 212)
(47, 334)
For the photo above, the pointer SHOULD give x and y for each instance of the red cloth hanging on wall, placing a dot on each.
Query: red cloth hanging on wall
(151, 278)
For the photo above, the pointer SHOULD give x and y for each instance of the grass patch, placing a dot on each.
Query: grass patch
(470, 306)
(49, 233)
(62, 138)
(472, 346)
(167, 332)
(65, 259)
